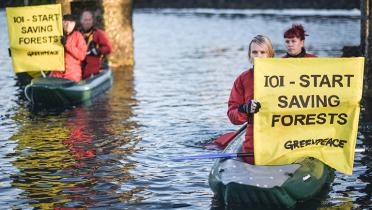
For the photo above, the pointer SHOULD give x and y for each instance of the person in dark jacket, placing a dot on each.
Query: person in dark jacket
(75, 50)
(241, 105)
(294, 39)
(98, 43)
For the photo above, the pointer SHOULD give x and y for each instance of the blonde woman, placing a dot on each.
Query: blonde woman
(241, 105)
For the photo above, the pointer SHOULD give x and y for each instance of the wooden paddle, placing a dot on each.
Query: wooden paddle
(226, 138)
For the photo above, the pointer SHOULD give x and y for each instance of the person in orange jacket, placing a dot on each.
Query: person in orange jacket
(241, 105)
(75, 51)
(98, 43)
(294, 38)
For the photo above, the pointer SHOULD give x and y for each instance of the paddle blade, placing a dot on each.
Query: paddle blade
(225, 139)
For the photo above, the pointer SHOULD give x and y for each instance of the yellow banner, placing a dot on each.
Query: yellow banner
(310, 108)
(34, 36)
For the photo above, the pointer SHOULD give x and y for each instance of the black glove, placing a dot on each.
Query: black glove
(93, 49)
(63, 40)
(251, 107)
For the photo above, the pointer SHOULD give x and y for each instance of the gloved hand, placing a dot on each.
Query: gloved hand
(63, 40)
(251, 107)
(93, 49)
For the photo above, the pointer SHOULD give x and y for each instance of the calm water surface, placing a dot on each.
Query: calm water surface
(114, 152)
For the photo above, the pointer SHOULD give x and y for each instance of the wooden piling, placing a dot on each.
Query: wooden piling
(66, 7)
(117, 16)
(366, 48)
(366, 44)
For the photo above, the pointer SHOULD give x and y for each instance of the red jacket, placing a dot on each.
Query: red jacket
(92, 63)
(75, 51)
(241, 93)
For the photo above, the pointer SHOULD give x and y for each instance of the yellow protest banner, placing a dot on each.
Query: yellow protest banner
(310, 108)
(34, 36)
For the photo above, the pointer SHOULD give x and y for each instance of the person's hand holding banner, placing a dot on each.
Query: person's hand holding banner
(310, 108)
(251, 107)
(63, 40)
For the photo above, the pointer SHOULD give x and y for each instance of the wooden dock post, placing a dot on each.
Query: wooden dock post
(66, 7)
(117, 18)
(366, 44)
(366, 48)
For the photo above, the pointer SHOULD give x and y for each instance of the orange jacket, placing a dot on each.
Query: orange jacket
(242, 93)
(92, 63)
(75, 51)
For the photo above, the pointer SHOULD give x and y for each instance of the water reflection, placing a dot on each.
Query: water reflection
(78, 158)
(39, 159)
(114, 152)
(364, 198)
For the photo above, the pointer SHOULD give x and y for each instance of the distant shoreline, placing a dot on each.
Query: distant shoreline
(353, 13)
(251, 4)
(241, 4)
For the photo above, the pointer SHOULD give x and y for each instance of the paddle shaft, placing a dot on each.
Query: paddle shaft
(212, 156)
(240, 130)
(225, 139)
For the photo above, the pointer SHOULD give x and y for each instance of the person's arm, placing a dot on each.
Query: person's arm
(77, 49)
(235, 100)
(104, 42)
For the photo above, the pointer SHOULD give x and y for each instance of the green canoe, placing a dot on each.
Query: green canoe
(237, 183)
(58, 92)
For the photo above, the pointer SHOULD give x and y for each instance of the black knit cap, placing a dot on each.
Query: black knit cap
(69, 17)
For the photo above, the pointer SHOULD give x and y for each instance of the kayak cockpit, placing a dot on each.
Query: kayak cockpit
(279, 186)
(232, 170)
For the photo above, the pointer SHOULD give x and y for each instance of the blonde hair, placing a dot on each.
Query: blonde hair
(262, 41)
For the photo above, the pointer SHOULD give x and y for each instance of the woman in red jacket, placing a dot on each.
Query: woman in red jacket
(241, 104)
(295, 41)
(75, 51)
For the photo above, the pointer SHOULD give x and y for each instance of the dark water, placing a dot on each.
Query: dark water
(114, 152)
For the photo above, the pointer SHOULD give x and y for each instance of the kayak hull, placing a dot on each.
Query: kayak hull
(58, 92)
(237, 183)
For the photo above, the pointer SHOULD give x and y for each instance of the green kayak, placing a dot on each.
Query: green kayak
(237, 183)
(59, 92)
